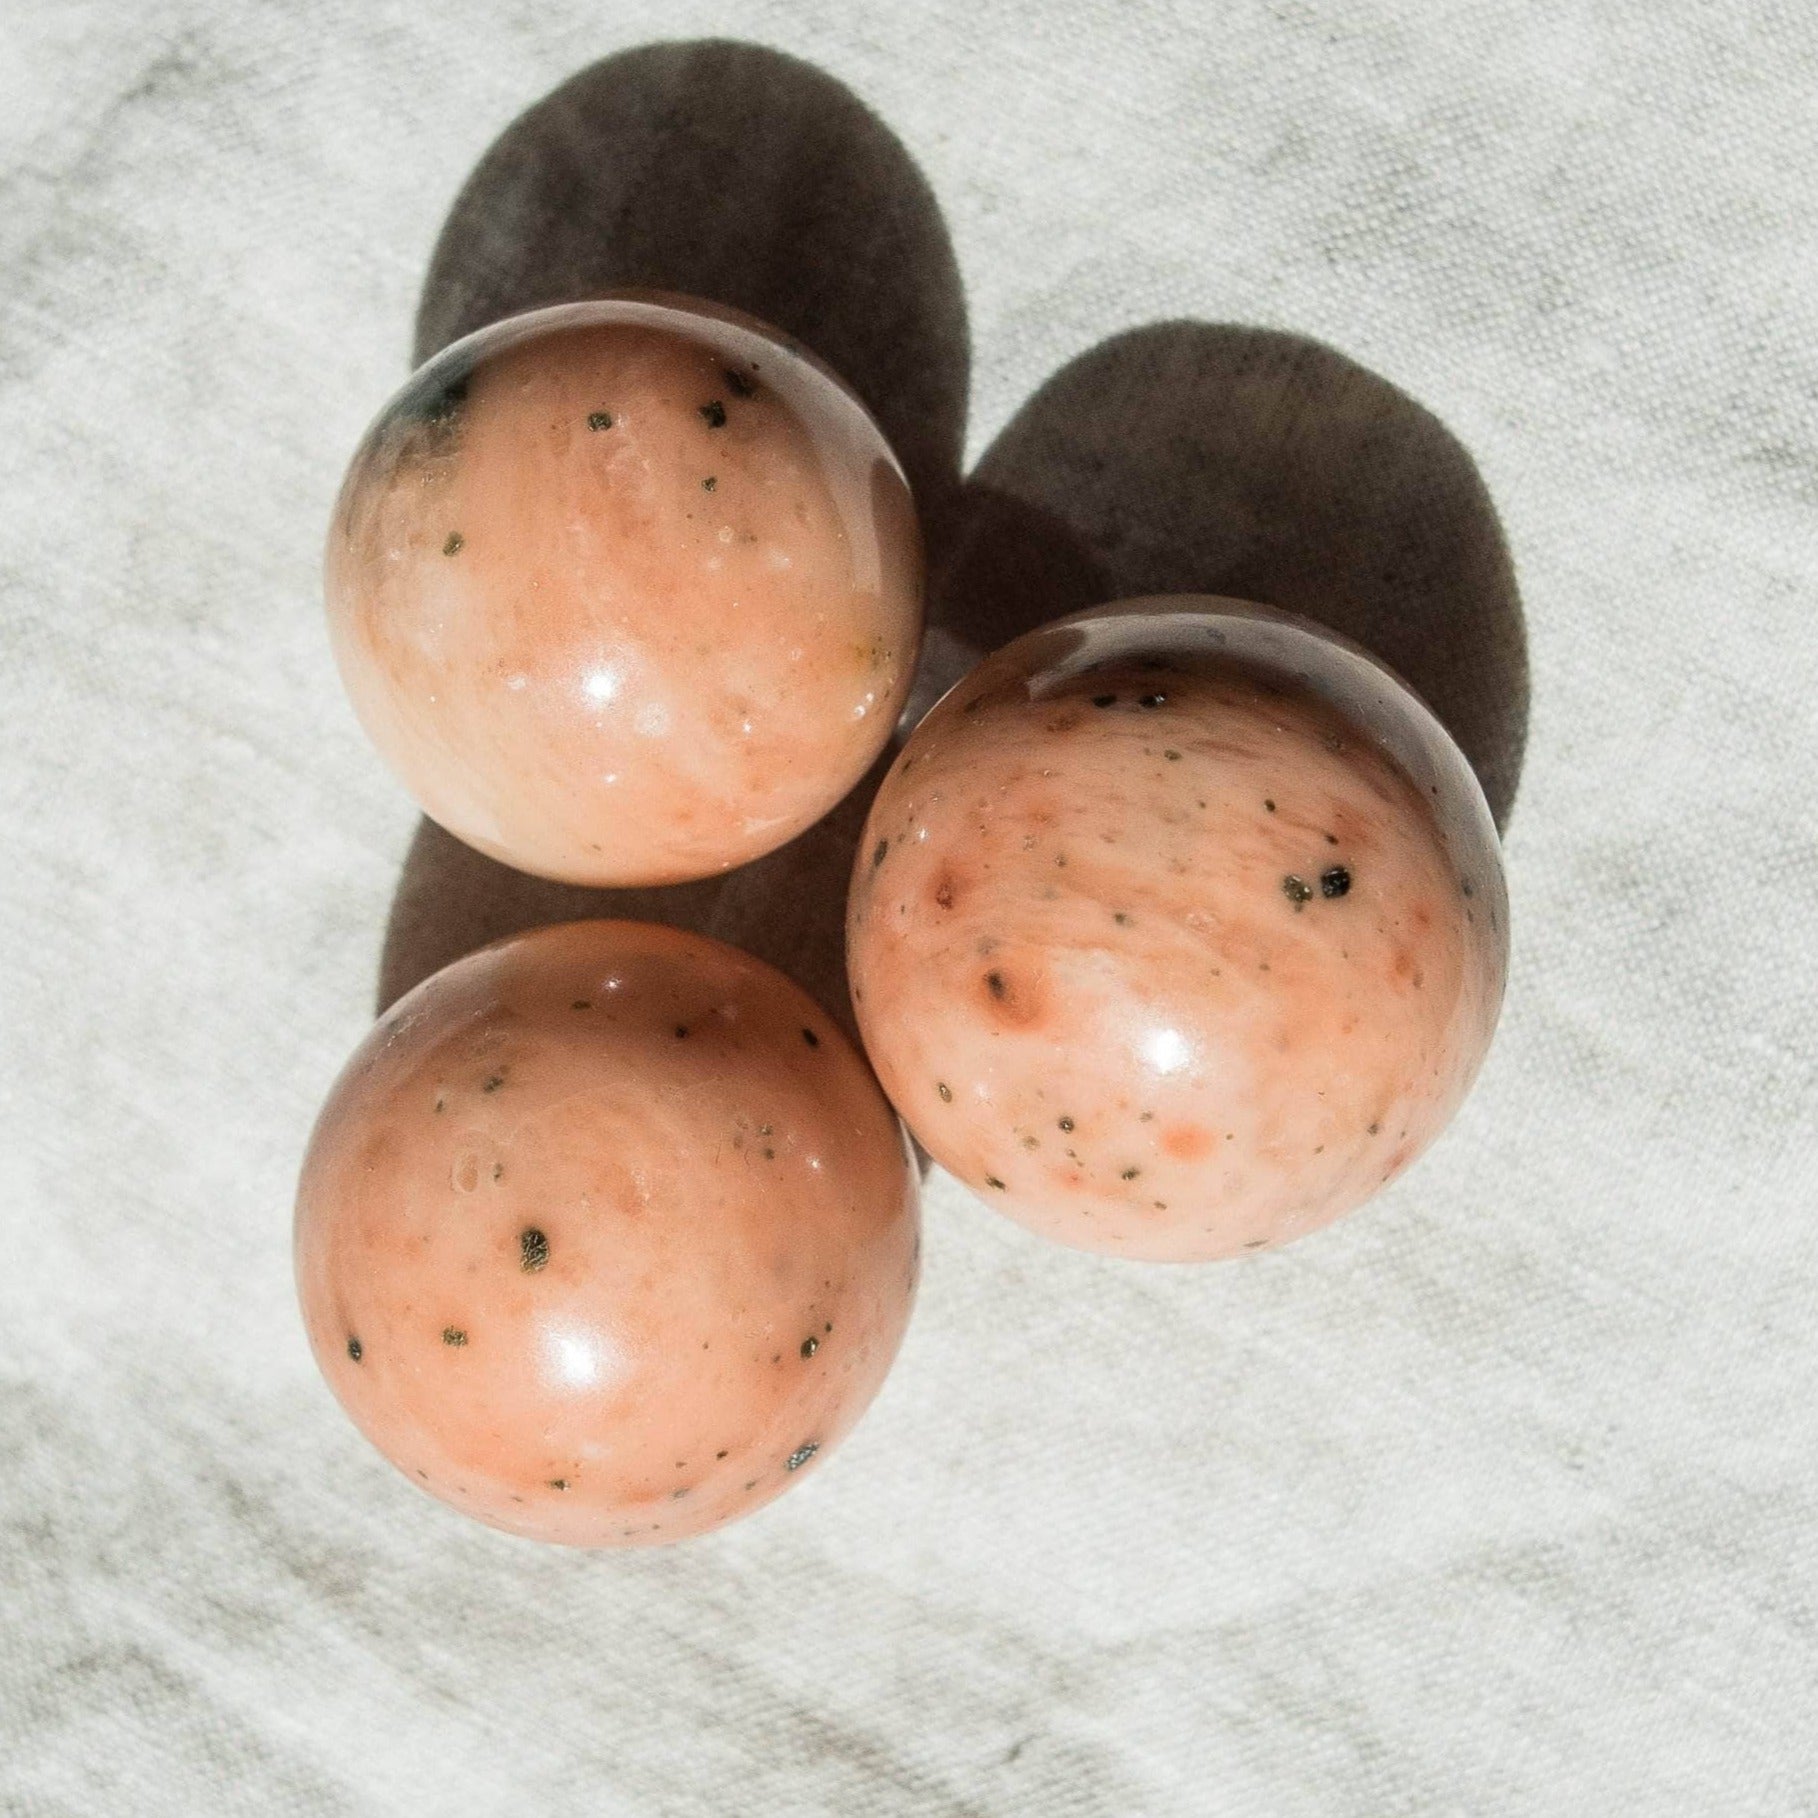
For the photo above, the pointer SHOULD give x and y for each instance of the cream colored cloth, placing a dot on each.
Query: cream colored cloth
(1501, 1498)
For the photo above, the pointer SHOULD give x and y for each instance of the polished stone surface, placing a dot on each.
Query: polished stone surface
(627, 592)
(606, 1235)
(1178, 929)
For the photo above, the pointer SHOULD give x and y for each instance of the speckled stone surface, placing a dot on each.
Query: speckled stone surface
(606, 1235)
(628, 592)
(1178, 929)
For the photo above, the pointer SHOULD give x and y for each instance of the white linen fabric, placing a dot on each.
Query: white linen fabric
(1499, 1498)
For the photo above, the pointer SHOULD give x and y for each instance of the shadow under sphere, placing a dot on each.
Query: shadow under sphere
(734, 173)
(730, 172)
(1187, 457)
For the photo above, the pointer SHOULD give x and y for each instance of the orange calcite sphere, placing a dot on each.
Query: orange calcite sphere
(606, 1235)
(1178, 928)
(627, 592)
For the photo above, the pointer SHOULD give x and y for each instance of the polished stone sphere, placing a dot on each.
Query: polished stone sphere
(1178, 928)
(627, 592)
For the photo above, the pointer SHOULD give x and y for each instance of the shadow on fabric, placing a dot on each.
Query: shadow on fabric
(1182, 457)
(1190, 458)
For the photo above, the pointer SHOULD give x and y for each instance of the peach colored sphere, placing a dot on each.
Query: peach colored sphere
(1178, 928)
(627, 592)
(606, 1235)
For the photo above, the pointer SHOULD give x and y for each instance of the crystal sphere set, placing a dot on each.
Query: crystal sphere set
(1178, 927)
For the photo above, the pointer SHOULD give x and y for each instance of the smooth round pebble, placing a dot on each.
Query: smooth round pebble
(627, 592)
(606, 1235)
(1178, 929)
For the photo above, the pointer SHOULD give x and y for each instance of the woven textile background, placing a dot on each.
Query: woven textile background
(1500, 1498)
